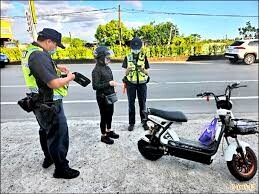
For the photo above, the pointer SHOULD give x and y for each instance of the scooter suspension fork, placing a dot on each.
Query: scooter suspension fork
(240, 150)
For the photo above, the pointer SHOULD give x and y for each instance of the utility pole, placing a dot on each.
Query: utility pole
(70, 37)
(119, 15)
(32, 20)
(170, 35)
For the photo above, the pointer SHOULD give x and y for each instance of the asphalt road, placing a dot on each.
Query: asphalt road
(173, 86)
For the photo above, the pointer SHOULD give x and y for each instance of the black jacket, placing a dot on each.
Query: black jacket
(101, 75)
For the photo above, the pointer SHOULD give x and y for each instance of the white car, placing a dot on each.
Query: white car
(245, 50)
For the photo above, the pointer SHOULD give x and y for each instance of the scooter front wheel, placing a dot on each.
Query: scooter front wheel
(149, 151)
(239, 169)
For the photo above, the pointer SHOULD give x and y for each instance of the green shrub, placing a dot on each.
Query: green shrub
(179, 47)
(14, 54)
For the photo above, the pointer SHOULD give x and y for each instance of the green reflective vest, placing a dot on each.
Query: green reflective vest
(135, 76)
(30, 79)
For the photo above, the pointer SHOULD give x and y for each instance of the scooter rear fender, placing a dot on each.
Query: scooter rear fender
(231, 150)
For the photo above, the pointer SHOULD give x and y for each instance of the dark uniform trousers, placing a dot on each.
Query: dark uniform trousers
(141, 91)
(53, 133)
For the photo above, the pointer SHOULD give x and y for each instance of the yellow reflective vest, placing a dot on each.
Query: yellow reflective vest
(135, 76)
(30, 79)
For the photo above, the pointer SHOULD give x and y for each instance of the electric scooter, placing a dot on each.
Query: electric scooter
(162, 140)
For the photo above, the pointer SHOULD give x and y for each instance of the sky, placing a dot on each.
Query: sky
(83, 25)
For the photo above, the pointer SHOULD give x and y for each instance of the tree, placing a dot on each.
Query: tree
(248, 31)
(66, 40)
(73, 42)
(147, 33)
(76, 42)
(159, 34)
(108, 34)
(196, 37)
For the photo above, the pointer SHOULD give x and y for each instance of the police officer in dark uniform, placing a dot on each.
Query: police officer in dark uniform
(136, 77)
(43, 79)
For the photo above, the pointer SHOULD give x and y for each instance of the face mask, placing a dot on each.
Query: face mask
(52, 52)
(136, 51)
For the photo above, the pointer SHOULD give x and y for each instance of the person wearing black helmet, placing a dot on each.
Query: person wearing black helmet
(47, 87)
(136, 77)
(103, 83)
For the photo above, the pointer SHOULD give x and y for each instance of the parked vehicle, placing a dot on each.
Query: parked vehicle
(3, 60)
(245, 50)
(163, 140)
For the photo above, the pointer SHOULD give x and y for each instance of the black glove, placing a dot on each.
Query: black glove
(81, 79)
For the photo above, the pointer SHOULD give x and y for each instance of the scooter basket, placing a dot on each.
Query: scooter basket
(245, 126)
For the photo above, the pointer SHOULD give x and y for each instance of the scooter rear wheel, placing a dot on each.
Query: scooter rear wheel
(239, 169)
(147, 153)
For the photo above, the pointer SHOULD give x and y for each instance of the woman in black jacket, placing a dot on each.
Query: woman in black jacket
(103, 83)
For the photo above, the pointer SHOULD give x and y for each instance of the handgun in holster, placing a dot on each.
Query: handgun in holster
(28, 103)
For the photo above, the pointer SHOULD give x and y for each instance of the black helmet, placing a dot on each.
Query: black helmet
(102, 51)
(136, 44)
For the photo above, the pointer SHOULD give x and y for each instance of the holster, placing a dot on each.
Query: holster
(125, 80)
(48, 111)
(29, 102)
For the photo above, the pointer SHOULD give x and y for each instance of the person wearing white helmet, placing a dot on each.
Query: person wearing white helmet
(136, 78)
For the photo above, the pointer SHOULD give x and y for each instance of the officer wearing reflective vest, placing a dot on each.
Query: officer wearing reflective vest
(43, 79)
(136, 77)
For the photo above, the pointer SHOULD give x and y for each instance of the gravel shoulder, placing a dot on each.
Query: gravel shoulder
(117, 168)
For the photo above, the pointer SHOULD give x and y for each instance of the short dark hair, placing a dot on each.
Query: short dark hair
(41, 38)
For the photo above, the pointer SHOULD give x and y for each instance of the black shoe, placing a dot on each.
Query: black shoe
(131, 127)
(106, 139)
(66, 173)
(113, 135)
(145, 126)
(47, 163)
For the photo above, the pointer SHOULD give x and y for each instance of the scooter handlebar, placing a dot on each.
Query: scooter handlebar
(205, 94)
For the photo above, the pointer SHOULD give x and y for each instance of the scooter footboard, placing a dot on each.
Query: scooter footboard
(232, 149)
(190, 155)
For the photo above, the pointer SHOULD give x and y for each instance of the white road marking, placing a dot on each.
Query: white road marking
(221, 81)
(149, 100)
(151, 83)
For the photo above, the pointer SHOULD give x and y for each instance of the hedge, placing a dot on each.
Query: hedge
(198, 48)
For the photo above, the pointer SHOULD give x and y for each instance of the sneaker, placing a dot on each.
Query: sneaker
(106, 139)
(47, 163)
(113, 135)
(66, 173)
(145, 126)
(131, 127)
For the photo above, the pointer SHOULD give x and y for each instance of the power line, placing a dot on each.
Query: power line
(106, 10)
(186, 14)
(110, 10)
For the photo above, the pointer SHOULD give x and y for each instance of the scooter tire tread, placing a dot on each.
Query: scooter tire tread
(234, 171)
(146, 154)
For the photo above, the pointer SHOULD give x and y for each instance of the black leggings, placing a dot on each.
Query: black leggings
(106, 111)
